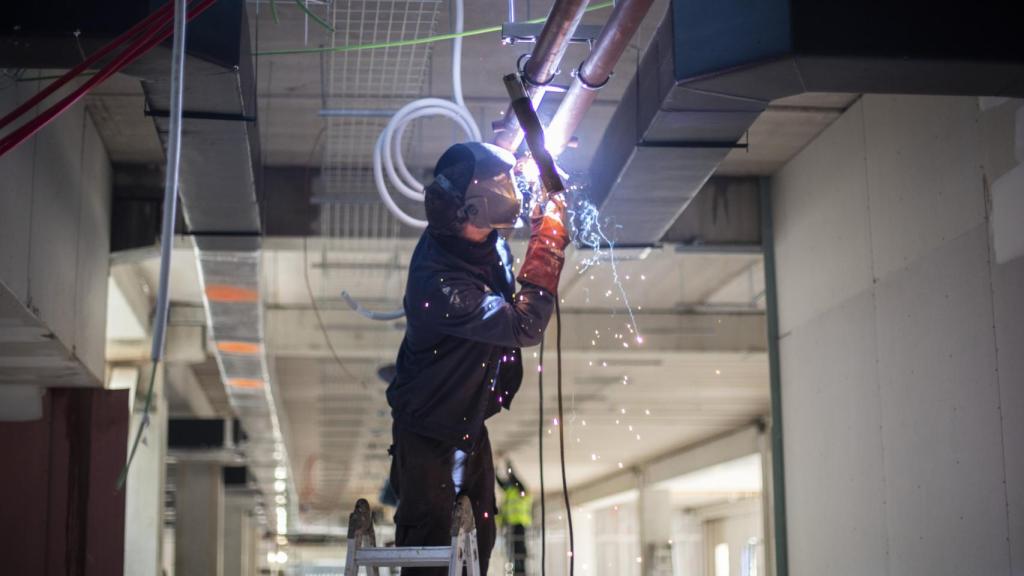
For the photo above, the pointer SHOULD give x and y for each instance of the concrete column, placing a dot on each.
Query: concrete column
(199, 533)
(61, 513)
(239, 536)
(255, 546)
(655, 508)
(144, 488)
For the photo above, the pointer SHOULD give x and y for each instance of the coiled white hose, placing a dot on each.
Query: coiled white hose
(387, 153)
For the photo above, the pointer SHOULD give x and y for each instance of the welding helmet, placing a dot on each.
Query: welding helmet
(473, 183)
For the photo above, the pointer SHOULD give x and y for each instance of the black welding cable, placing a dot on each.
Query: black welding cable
(561, 435)
(540, 450)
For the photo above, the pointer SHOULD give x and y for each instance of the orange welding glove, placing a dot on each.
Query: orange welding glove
(546, 252)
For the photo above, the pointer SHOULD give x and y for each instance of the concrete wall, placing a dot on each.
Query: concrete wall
(55, 194)
(901, 344)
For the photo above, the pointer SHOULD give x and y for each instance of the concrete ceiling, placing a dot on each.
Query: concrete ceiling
(782, 130)
(291, 92)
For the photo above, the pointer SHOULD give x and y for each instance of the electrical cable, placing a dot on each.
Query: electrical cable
(150, 39)
(310, 13)
(540, 451)
(561, 435)
(123, 476)
(160, 15)
(414, 41)
(305, 268)
(319, 317)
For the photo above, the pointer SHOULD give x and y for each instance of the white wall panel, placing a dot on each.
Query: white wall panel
(934, 482)
(821, 222)
(924, 175)
(55, 200)
(1007, 290)
(15, 200)
(93, 252)
(55, 213)
(832, 445)
(946, 504)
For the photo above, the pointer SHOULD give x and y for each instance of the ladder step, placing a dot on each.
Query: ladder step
(420, 556)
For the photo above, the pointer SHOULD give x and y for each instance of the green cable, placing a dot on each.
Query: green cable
(412, 42)
(309, 13)
(123, 476)
(273, 10)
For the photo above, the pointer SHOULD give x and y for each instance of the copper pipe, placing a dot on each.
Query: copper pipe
(541, 67)
(595, 71)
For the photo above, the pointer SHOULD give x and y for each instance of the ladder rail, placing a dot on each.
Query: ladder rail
(363, 551)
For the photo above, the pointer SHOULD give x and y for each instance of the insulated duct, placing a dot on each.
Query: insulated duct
(220, 205)
(713, 67)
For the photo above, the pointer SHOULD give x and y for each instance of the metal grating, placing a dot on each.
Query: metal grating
(383, 78)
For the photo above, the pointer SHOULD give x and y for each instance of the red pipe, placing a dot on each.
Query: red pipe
(150, 40)
(162, 13)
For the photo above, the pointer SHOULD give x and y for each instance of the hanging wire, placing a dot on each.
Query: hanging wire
(312, 15)
(413, 41)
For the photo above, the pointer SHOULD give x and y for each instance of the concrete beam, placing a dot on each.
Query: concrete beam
(294, 332)
(128, 306)
(185, 384)
(742, 442)
(687, 459)
(726, 212)
(31, 353)
(144, 492)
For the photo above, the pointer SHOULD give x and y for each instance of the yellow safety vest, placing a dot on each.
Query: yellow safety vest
(516, 509)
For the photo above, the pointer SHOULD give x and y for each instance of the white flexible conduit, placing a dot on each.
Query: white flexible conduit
(387, 154)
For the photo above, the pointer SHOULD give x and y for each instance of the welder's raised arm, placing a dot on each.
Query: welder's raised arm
(545, 255)
(458, 305)
(461, 307)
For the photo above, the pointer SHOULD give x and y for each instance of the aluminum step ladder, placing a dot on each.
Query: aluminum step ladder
(363, 549)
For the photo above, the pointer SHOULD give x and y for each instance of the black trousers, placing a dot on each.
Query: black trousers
(421, 475)
(516, 535)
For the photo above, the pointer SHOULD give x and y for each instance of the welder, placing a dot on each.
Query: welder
(460, 361)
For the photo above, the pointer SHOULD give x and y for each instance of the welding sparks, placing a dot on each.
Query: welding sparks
(588, 232)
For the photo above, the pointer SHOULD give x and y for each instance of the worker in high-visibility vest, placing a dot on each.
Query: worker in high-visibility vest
(515, 516)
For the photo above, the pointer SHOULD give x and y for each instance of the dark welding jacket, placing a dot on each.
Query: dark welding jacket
(460, 361)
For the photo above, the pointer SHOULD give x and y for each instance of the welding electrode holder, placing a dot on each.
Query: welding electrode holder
(533, 134)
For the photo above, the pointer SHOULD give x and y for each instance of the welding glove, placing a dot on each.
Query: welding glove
(546, 252)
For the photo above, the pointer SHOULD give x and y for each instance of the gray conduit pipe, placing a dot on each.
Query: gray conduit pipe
(171, 180)
(371, 314)
(167, 225)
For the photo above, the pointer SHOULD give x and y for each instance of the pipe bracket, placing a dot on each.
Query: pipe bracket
(578, 74)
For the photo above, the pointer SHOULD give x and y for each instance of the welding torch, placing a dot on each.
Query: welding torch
(533, 134)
